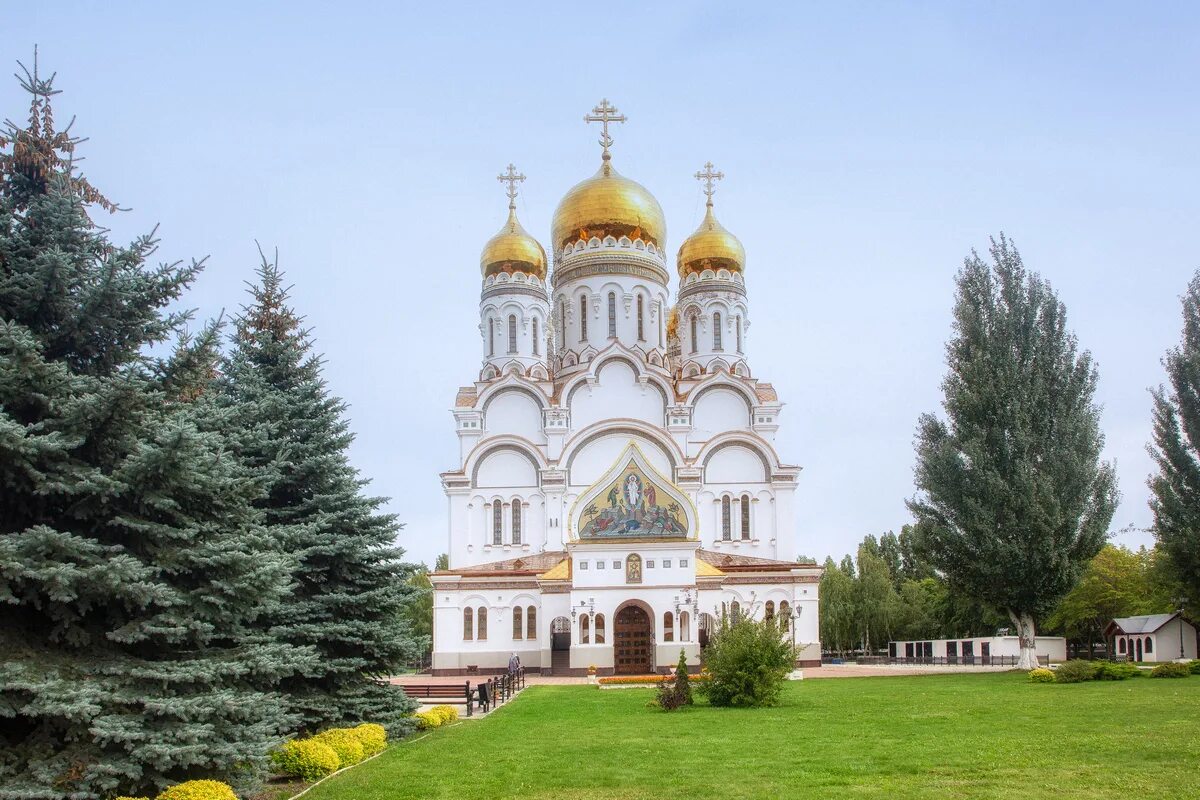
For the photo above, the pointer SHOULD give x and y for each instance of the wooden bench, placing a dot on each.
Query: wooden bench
(443, 693)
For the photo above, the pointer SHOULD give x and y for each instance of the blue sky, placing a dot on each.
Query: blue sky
(868, 148)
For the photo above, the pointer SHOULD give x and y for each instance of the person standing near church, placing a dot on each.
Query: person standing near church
(514, 664)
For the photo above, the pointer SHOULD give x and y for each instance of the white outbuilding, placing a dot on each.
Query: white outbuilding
(978, 650)
(1152, 637)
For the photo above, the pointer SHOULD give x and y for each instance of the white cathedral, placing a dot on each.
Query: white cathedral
(618, 487)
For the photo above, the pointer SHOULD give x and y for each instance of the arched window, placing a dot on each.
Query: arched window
(518, 628)
(491, 336)
(668, 627)
(735, 610)
(726, 523)
(585, 636)
(685, 627)
(599, 629)
(745, 516)
(562, 322)
(468, 624)
(1121, 646)
(693, 322)
(612, 314)
(738, 322)
(785, 616)
(512, 333)
(717, 330)
(583, 318)
(536, 347)
(481, 623)
(516, 521)
(662, 323)
(531, 622)
(1149, 645)
(497, 522)
(770, 609)
(641, 323)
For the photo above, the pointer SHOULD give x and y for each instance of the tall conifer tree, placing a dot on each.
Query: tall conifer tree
(133, 575)
(1013, 498)
(1176, 450)
(351, 586)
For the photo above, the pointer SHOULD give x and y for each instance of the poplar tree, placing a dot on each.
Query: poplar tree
(1176, 451)
(133, 573)
(351, 586)
(1013, 500)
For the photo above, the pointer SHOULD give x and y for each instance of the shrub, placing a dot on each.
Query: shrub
(1041, 675)
(1195, 666)
(427, 719)
(1171, 669)
(1076, 671)
(748, 661)
(345, 743)
(198, 790)
(372, 737)
(1117, 671)
(674, 691)
(447, 714)
(308, 759)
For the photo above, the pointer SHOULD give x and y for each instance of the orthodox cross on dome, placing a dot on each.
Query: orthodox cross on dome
(605, 113)
(709, 178)
(512, 178)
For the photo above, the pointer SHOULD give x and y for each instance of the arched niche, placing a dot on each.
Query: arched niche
(616, 393)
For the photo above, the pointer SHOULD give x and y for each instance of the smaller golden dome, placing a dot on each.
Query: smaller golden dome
(711, 247)
(513, 250)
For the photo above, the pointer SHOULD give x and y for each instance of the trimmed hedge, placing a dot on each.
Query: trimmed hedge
(1041, 675)
(1195, 666)
(308, 759)
(345, 743)
(372, 737)
(1171, 670)
(198, 790)
(1116, 671)
(1076, 671)
(436, 717)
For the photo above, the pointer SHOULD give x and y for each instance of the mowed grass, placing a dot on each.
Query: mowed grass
(983, 735)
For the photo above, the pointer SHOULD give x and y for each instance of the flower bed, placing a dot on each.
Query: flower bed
(647, 680)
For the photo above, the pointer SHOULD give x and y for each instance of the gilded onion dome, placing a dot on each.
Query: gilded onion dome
(711, 246)
(608, 204)
(513, 250)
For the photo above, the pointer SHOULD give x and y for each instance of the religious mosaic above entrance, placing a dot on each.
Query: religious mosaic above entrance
(633, 502)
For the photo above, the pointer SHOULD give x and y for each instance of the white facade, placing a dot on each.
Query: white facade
(604, 423)
(1152, 638)
(978, 649)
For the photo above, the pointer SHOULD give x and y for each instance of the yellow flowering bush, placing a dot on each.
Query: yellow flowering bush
(123, 797)
(427, 719)
(448, 714)
(1041, 675)
(345, 743)
(372, 737)
(308, 759)
(198, 790)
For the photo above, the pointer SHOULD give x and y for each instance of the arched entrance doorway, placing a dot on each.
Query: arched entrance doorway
(633, 642)
(560, 646)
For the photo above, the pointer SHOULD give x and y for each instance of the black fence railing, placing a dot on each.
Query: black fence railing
(945, 661)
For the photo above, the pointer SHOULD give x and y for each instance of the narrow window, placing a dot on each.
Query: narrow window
(738, 320)
(685, 627)
(641, 324)
(562, 322)
(726, 532)
(585, 635)
(531, 622)
(1121, 646)
(599, 629)
(518, 628)
(468, 624)
(717, 330)
(491, 337)
(785, 615)
(735, 608)
(1149, 645)
(583, 318)
(695, 342)
(497, 522)
(745, 516)
(536, 348)
(516, 521)
(612, 314)
(512, 333)
(481, 620)
(770, 609)
(668, 627)
(661, 323)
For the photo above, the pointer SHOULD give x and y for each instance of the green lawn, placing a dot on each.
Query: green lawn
(951, 736)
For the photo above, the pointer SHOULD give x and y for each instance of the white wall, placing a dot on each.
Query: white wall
(616, 394)
(717, 411)
(514, 412)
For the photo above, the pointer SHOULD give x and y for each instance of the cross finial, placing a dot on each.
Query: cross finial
(605, 113)
(709, 178)
(512, 178)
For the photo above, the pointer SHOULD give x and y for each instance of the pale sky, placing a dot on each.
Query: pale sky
(867, 148)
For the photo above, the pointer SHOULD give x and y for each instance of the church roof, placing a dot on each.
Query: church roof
(1147, 623)
(727, 562)
(533, 564)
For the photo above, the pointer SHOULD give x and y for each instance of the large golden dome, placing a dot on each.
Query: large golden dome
(513, 250)
(711, 247)
(608, 204)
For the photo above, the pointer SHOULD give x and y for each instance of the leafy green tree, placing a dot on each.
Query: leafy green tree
(747, 660)
(1013, 500)
(913, 566)
(875, 597)
(918, 609)
(836, 608)
(890, 552)
(1116, 583)
(1176, 451)
(350, 583)
(134, 575)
